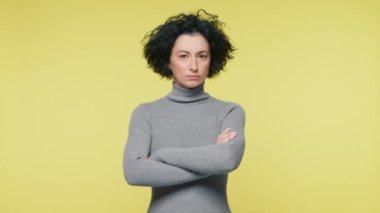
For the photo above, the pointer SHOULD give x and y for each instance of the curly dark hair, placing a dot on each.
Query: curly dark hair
(159, 42)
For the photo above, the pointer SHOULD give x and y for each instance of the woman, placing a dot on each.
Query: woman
(185, 144)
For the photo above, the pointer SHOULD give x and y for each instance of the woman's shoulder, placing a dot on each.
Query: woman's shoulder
(226, 105)
(147, 106)
(223, 108)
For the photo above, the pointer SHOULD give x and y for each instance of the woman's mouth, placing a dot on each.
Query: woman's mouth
(193, 77)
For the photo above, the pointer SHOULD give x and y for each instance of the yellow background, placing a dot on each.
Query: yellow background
(306, 72)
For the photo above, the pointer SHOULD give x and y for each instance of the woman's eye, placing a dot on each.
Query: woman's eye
(182, 56)
(203, 56)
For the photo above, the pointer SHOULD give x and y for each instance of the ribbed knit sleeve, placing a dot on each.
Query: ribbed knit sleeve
(210, 159)
(138, 168)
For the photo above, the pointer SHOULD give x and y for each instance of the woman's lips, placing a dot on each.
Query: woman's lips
(193, 77)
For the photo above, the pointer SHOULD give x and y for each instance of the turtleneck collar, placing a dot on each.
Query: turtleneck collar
(184, 95)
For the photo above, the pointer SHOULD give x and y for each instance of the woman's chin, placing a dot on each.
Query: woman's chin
(192, 84)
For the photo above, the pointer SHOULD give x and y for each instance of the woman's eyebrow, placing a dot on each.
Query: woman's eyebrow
(185, 51)
(203, 51)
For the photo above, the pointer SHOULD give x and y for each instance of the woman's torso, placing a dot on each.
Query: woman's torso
(184, 125)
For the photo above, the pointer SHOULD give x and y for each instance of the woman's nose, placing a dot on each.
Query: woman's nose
(193, 65)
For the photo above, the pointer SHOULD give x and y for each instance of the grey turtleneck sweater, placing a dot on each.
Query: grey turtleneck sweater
(172, 148)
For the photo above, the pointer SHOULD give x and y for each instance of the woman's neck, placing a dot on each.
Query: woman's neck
(186, 95)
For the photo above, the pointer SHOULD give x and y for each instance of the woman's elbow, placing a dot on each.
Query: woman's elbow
(131, 178)
(130, 174)
(231, 165)
(234, 158)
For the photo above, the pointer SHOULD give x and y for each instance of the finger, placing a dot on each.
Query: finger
(232, 135)
(227, 137)
(226, 130)
(229, 134)
(223, 138)
(224, 134)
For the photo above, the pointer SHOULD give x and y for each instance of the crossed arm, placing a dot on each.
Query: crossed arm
(171, 166)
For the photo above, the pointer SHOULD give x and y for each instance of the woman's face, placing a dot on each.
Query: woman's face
(190, 60)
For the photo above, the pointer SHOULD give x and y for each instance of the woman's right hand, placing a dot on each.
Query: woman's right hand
(226, 136)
